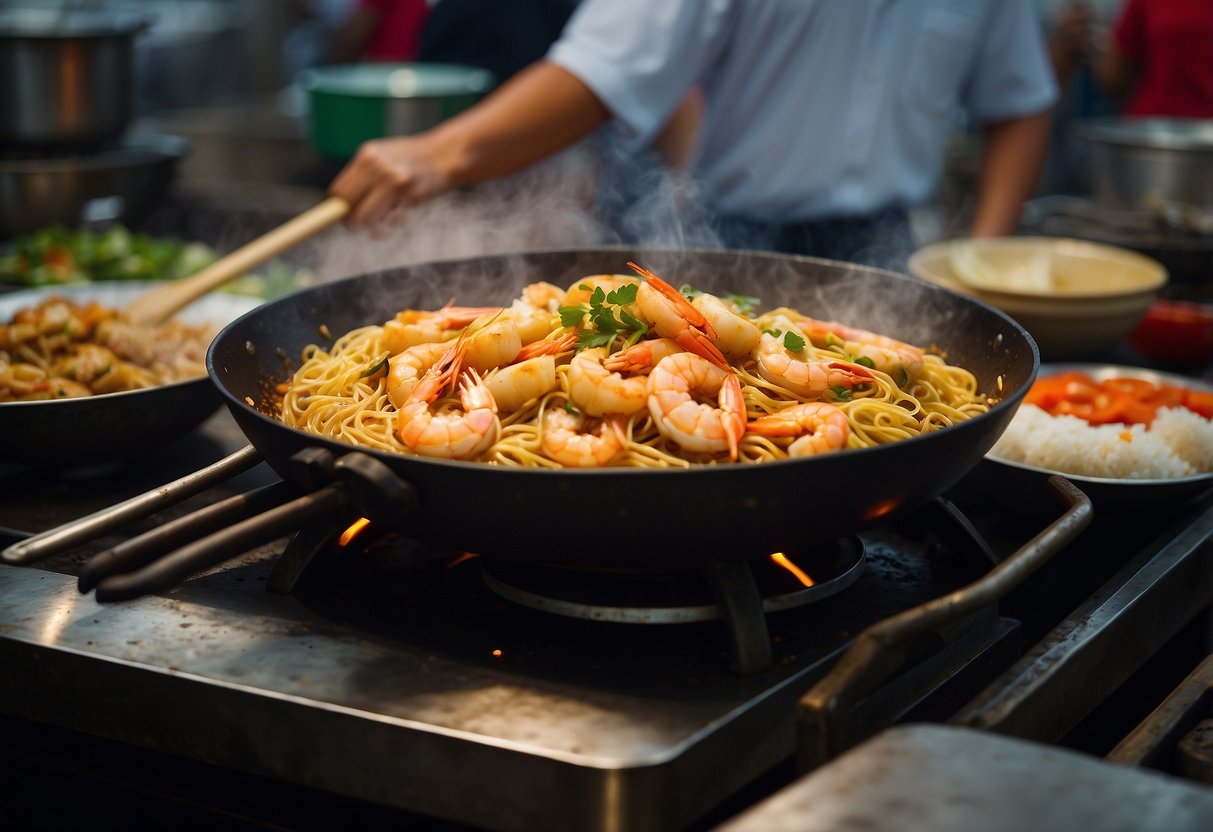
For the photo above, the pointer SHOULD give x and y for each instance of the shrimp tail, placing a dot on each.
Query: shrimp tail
(548, 346)
(732, 402)
(692, 315)
(693, 340)
(856, 373)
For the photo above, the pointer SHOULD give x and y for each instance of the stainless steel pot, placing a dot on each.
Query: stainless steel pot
(66, 77)
(1155, 165)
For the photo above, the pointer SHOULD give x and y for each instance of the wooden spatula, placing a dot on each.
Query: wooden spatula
(165, 300)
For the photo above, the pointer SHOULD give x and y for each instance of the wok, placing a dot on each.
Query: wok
(639, 519)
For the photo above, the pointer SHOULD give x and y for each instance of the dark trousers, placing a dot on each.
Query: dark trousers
(884, 239)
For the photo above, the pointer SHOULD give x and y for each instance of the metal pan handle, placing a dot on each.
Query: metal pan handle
(69, 535)
(880, 650)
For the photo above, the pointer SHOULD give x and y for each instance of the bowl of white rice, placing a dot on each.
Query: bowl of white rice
(1118, 466)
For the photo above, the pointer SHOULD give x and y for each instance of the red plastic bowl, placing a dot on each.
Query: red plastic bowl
(1175, 330)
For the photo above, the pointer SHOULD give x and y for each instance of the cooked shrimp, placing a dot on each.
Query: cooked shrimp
(495, 344)
(598, 391)
(535, 313)
(573, 440)
(818, 426)
(513, 386)
(735, 336)
(799, 372)
(405, 369)
(694, 426)
(543, 295)
(673, 316)
(449, 435)
(886, 354)
(411, 327)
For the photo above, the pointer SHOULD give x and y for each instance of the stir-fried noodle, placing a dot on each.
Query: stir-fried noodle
(807, 387)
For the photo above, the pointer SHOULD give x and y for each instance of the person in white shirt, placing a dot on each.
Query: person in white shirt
(821, 122)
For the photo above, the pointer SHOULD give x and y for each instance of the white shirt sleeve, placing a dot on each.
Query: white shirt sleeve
(1013, 75)
(642, 57)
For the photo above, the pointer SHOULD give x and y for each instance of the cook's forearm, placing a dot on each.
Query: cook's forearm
(538, 112)
(1012, 155)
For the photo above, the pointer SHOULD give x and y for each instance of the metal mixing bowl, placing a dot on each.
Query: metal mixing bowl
(66, 76)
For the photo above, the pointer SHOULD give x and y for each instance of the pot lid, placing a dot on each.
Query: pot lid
(411, 80)
(1172, 133)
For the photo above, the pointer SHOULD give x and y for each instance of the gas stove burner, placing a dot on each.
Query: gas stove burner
(783, 582)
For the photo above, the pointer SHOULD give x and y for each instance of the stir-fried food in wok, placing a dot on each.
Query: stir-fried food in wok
(63, 349)
(622, 371)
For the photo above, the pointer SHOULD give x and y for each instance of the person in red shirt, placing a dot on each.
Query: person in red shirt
(1161, 54)
(380, 30)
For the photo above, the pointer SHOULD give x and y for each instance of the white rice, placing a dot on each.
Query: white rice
(1178, 444)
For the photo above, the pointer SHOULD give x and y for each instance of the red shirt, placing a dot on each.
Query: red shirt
(1171, 41)
(399, 30)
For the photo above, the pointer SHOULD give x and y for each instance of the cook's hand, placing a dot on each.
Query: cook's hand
(388, 175)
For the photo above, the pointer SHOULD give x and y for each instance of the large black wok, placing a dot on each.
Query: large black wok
(641, 519)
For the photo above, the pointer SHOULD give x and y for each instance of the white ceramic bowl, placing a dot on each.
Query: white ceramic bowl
(1076, 298)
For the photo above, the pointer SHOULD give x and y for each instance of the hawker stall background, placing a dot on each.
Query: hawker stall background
(750, 416)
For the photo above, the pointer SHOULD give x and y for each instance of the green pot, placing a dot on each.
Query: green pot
(353, 103)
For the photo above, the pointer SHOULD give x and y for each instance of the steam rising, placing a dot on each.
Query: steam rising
(589, 197)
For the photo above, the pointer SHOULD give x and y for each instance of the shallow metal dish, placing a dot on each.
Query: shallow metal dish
(112, 426)
(1024, 486)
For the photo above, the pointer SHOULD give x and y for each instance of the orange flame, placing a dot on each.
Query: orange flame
(353, 531)
(781, 559)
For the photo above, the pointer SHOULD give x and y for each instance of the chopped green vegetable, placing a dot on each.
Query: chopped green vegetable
(841, 393)
(607, 318)
(744, 304)
(55, 256)
(376, 366)
(864, 361)
(688, 291)
(793, 342)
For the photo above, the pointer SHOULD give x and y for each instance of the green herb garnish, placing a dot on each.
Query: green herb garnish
(864, 361)
(744, 304)
(841, 393)
(608, 319)
(793, 342)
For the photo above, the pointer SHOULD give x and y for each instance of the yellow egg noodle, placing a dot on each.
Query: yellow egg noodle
(808, 386)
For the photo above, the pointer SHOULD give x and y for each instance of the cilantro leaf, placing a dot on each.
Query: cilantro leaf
(571, 315)
(793, 342)
(623, 295)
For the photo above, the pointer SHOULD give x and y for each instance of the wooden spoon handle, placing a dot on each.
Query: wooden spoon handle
(163, 301)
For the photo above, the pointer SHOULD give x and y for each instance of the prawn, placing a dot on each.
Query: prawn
(535, 312)
(405, 369)
(818, 426)
(598, 391)
(673, 316)
(806, 377)
(886, 354)
(412, 327)
(736, 336)
(695, 426)
(572, 440)
(451, 435)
